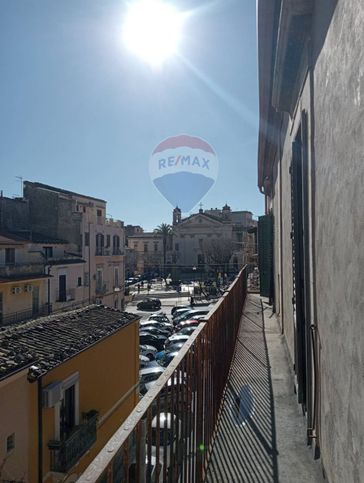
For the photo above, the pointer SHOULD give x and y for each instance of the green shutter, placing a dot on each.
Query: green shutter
(265, 254)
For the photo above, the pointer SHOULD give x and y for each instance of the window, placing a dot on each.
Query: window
(9, 256)
(10, 442)
(48, 252)
(99, 244)
(145, 247)
(99, 212)
(68, 419)
(79, 282)
(116, 276)
(200, 242)
(67, 412)
(87, 239)
(84, 209)
(98, 279)
(116, 245)
(107, 241)
(135, 245)
(176, 247)
(86, 279)
(155, 246)
(115, 304)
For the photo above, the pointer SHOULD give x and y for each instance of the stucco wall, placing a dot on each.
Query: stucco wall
(107, 372)
(14, 418)
(339, 137)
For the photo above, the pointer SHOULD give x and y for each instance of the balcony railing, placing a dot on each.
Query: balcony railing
(117, 251)
(168, 437)
(65, 454)
(102, 252)
(101, 289)
(13, 270)
(22, 315)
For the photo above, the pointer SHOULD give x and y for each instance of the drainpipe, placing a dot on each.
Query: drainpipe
(49, 289)
(40, 432)
(89, 262)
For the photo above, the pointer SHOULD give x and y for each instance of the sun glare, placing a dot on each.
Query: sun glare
(152, 30)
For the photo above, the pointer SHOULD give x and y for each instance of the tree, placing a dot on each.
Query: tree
(218, 252)
(166, 231)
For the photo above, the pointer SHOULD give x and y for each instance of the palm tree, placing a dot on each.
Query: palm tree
(166, 231)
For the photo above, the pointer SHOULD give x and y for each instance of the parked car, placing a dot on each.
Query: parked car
(148, 351)
(143, 361)
(156, 341)
(152, 329)
(149, 304)
(187, 323)
(180, 311)
(190, 315)
(175, 347)
(186, 330)
(166, 357)
(156, 323)
(177, 307)
(173, 339)
(148, 377)
(166, 437)
(160, 317)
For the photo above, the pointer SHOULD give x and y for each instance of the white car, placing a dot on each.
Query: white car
(166, 437)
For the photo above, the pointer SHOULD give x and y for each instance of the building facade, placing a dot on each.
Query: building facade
(146, 251)
(82, 221)
(58, 250)
(57, 408)
(210, 242)
(311, 172)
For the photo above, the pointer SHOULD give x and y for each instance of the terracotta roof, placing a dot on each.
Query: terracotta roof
(46, 342)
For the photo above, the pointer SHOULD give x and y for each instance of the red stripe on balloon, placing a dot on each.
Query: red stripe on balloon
(183, 140)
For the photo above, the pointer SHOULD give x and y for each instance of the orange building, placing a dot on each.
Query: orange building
(67, 382)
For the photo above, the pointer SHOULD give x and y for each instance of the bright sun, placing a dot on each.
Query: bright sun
(152, 30)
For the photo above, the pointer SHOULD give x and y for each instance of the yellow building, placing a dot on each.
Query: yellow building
(23, 282)
(67, 382)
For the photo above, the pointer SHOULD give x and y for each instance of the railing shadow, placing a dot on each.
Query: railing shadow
(245, 447)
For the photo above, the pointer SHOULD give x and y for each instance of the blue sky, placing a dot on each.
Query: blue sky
(80, 112)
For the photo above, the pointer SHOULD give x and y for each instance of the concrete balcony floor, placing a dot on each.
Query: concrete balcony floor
(261, 432)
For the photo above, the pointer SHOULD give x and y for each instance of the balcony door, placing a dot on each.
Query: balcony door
(35, 300)
(62, 288)
(68, 412)
(301, 271)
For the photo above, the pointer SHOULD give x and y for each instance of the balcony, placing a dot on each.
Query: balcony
(65, 454)
(15, 270)
(168, 435)
(22, 315)
(101, 288)
(102, 252)
(223, 410)
(67, 296)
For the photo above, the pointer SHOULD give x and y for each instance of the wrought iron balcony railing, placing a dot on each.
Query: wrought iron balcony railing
(65, 454)
(101, 289)
(168, 437)
(22, 315)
